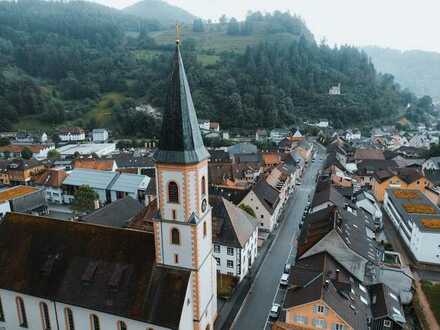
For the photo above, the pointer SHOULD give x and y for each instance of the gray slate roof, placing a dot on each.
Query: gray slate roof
(308, 284)
(180, 140)
(267, 195)
(243, 148)
(231, 225)
(116, 214)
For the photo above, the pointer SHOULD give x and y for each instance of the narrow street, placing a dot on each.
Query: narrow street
(265, 289)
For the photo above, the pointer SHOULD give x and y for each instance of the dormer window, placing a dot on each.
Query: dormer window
(173, 192)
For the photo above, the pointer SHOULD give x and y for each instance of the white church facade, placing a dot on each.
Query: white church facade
(77, 276)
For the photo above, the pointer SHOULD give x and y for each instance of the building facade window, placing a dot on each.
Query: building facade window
(387, 323)
(338, 326)
(216, 248)
(203, 188)
(94, 322)
(230, 264)
(176, 258)
(320, 309)
(45, 319)
(174, 215)
(122, 325)
(300, 319)
(319, 323)
(205, 230)
(21, 311)
(175, 236)
(218, 261)
(230, 251)
(173, 192)
(68, 317)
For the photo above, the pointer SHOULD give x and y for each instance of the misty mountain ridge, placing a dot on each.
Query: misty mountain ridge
(81, 64)
(161, 11)
(416, 70)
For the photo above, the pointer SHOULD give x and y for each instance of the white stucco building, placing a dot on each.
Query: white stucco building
(265, 202)
(100, 135)
(417, 221)
(72, 134)
(51, 181)
(75, 275)
(235, 238)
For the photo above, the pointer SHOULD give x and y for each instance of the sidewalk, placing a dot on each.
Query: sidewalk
(230, 308)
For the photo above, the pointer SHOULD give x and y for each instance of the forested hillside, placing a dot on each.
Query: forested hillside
(83, 64)
(161, 11)
(415, 69)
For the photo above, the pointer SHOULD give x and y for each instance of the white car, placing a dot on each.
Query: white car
(284, 279)
(287, 268)
(275, 311)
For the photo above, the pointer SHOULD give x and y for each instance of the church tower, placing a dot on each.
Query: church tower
(183, 228)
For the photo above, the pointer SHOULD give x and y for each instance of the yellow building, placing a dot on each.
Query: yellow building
(402, 178)
(322, 294)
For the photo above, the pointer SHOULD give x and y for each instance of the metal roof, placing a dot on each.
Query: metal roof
(180, 140)
(130, 182)
(93, 178)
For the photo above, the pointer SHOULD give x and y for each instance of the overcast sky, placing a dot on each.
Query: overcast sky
(401, 24)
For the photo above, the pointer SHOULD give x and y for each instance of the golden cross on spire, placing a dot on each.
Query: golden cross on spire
(177, 33)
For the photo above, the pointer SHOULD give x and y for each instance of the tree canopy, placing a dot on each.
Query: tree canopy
(59, 59)
(84, 199)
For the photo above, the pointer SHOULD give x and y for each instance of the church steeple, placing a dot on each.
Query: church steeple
(183, 226)
(180, 140)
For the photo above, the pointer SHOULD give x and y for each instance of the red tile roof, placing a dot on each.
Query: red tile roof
(94, 164)
(51, 178)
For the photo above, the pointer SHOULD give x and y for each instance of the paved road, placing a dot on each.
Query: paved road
(254, 313)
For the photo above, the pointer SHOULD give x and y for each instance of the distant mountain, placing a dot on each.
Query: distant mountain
(417, 70)
(160, 11)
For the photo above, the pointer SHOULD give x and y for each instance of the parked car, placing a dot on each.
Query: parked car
(275, 311)
(284, 279)
(287, 268)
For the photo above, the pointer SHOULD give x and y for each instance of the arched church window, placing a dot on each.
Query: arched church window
(173, 192)
(22, 318)
(175, 236)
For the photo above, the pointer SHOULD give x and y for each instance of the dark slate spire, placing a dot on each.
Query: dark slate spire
(180, 139)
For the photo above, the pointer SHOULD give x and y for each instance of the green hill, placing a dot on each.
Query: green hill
(161, 11)
(417, 70)
(79, 63)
